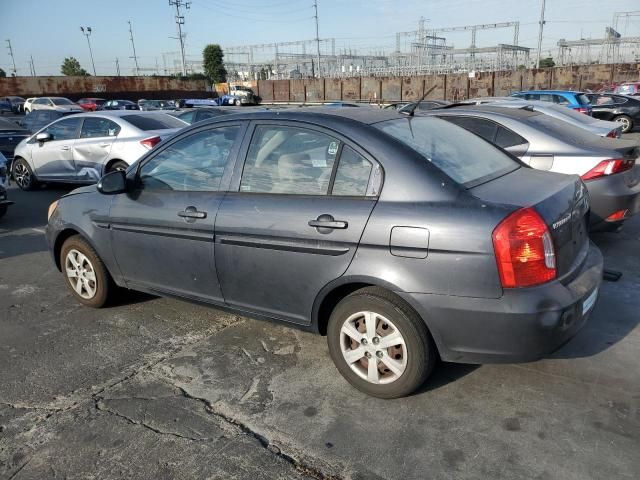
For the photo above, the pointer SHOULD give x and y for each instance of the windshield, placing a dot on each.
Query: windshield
(561, 129)
(568, 112)
(61, 101)
(157, 121)
(465, 157)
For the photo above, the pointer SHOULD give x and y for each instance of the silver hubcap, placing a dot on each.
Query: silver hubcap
(373, 347)
(624, 122)
(21, 175)
(80, 274)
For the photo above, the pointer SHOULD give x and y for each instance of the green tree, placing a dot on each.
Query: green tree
(71, 67)
(547, 62)
(2, 73)
(213, 62)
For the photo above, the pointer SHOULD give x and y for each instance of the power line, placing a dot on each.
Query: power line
(13, 60)
(179, 22)
(135, 57)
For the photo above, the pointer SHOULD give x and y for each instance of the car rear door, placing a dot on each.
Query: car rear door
(294, 219)
(53, 160)
(91, 150)
(162, 230)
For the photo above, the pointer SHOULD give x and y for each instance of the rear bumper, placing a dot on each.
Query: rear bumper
(523, 325)
(612, 194)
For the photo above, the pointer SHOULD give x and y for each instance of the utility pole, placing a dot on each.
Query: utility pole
(33, 66)
(315, 6)
(117, 67)
(540, 35)
(179, 22)
(135, 57)
(13, 60)
(86, 31)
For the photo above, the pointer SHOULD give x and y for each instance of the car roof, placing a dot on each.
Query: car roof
(572, 92)
(116, 113)
(366, 116)
(522, 113)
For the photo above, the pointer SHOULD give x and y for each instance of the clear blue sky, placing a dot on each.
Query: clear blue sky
(49, 30)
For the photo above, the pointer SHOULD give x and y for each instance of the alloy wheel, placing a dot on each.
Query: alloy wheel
(80, 274)
(373, 347)
(626, 124)
(22, 175)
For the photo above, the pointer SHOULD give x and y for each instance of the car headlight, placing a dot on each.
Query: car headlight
(52, 208)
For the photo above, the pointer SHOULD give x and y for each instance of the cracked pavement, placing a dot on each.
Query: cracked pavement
(158, 389)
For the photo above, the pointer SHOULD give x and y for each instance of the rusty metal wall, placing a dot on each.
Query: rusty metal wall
(105, 87)
(296, 91)
(391, 89)
(351, 89)
(281, 90)
(314, 89)
(370, 89)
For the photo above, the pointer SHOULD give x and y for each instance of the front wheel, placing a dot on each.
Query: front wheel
(625, 122)
(379, 344)
(23, 175)
(237, 102)
(85, 274)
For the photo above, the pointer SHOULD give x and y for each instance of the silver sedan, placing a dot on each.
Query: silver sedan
(81, 148)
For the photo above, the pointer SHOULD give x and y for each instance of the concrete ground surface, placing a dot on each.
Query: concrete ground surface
(158, 389)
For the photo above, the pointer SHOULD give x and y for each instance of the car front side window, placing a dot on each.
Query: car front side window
(193, 164)
(289, 160)
(64, 129)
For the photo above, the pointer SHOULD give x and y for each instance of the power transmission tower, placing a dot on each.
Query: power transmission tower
(315, 6)
(540, 35)
(179, 22)
(13, 60)
(135, 57)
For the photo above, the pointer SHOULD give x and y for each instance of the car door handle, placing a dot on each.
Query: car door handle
(191, 214)
(105, 145)
(65, 147)
(326, 223)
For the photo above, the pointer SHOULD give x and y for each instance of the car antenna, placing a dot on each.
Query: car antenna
(410, 111)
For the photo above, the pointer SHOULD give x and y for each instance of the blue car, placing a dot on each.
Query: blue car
(5, 106)
(569, 98)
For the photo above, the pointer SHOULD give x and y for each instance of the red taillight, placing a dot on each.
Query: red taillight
(617, 216)
(609, 167)
(524, 250)
(582, 110)
(614, 134)
(150, 142)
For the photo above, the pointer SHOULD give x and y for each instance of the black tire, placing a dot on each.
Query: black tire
(104, 286)
(420, 349)
(23, 175)
(625, 121)
(117, 165)
(237, 102)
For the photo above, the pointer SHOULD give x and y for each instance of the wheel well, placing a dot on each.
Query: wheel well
(57, 247)
(111, 162)
(332, 299)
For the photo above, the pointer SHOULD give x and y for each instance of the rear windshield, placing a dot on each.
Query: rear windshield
(61, 101)
(463, 156)
(560, 129)
(568, 112)
(583, 99)
(157, 121)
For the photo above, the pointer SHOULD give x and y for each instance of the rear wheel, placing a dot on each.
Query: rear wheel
(237, 102)
(117, 165)
(379, 344)
(85, 274)
(625, 121)
(23, 175)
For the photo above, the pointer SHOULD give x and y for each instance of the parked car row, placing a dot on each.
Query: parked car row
(456, 231)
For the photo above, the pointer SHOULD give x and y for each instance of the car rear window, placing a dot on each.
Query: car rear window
(158, 121)
(463, 156)
(560, 129)
(61, 101)
(583, 99)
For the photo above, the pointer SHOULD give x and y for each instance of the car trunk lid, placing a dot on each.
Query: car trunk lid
(561, 200)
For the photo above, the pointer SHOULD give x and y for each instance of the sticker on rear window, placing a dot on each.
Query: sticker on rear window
(333, 148)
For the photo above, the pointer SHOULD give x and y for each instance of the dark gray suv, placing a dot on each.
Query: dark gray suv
(403, 239)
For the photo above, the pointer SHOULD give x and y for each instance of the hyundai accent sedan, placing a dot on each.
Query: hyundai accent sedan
(402, 239)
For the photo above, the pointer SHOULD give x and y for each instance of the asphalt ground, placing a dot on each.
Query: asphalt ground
(156, 388)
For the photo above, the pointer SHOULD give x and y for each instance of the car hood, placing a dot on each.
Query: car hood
(85, 189)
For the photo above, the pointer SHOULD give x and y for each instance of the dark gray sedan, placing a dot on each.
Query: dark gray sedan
(403, 239)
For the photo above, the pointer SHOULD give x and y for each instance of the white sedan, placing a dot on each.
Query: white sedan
(81, 148)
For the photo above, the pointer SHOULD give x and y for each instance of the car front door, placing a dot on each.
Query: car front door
(602, 106)
(163, 229)
(91, 150)
(53, 159)
(294, 219)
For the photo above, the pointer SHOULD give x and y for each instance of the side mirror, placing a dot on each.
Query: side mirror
(44, 137)
(113, 183)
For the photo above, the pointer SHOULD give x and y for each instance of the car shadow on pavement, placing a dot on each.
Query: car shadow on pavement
(445, 373)
(127, 297)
